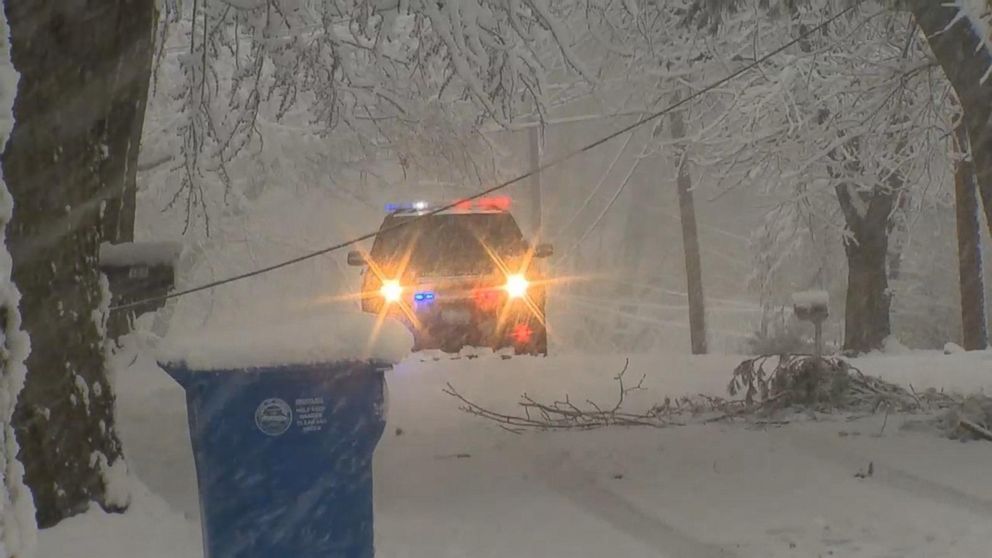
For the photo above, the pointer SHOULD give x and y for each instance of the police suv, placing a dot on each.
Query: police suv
(459, 277)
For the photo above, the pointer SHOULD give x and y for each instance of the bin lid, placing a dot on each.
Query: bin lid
(273, 341)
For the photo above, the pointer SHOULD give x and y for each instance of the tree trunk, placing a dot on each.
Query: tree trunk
(965, 61)
(83, 84)
(18, 532)
(690, 241)
(973, 322)
(866, 318)
(130, 83)
(866, 312)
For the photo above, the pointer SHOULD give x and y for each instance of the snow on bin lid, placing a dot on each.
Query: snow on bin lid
(811, 299)
(310, 340)
(129, 254)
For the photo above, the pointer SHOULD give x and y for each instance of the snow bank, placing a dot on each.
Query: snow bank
(305, 340)
(498, 384)
(964, 373)
(768, 493)
(139, 253)
(149, 529)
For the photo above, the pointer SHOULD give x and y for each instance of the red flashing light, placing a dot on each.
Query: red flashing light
(521, 333)
(501, 203)
(488, 203)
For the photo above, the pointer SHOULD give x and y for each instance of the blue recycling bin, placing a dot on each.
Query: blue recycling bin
(284, 457)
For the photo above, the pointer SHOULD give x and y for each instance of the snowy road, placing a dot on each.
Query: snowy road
(451, 485)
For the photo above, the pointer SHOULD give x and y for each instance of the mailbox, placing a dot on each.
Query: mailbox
(137, 271)
(813, 306)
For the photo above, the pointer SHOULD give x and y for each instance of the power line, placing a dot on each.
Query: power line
(609, 205)
(540, 168)
(594, 191)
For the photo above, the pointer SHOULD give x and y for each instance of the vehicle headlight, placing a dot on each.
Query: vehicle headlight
(516, 285)
(391, 290)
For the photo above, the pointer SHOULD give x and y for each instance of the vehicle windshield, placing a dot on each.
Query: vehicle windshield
(448, 244)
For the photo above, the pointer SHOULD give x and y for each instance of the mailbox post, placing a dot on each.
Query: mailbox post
(812, 306)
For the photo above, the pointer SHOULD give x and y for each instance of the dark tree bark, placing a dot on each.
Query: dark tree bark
(690, 242)
(130, 83)
(965, 60)
(72, 152)
(866, 310)
(974, 334)
(868, 215)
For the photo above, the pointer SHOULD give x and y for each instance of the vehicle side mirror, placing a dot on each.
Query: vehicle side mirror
(355, 258)
(544, 251)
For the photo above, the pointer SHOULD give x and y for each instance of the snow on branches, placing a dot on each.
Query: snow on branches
(850, 127)
(366, 69)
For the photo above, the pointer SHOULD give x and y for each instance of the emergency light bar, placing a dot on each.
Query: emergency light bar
(488, 203)
(424, 296)
(411, 206)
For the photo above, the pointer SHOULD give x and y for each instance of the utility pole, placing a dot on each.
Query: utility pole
(690, 239)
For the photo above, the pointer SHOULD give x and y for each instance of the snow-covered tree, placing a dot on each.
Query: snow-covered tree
(77, 114)
(374, 73)
(17, 523)
(848, 125)
(960, 38)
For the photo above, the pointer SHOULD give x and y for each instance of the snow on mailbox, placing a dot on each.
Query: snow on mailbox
(812, 306)
(137, 271)
(284, 417)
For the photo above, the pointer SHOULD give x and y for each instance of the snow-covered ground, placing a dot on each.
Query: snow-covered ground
(451, 484)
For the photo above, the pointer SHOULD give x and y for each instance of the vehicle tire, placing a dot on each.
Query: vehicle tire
(424, 342)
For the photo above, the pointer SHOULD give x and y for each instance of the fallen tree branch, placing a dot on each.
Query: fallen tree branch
(563, 414)
(796, 384)
(977, 429)
(824, 384)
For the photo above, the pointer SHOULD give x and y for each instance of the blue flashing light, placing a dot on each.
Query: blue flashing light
(424, 296)
(410, 206)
